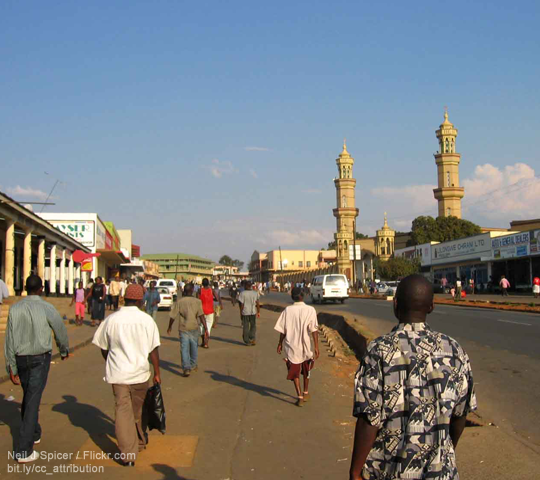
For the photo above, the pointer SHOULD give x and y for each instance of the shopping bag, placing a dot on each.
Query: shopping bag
(154, 409)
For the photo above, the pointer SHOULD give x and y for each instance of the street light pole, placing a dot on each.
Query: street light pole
(354, 256)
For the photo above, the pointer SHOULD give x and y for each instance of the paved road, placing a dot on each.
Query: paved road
(513, 331)
(503, 347)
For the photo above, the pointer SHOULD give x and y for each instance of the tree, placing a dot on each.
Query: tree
(228, 261)
(442, 229)
(225, 260)
(238, 263)
(396, 268)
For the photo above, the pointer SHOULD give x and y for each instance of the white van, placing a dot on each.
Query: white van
(329, 287)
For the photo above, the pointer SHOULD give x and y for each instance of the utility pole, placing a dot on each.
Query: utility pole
(281, 266)
(354, 256)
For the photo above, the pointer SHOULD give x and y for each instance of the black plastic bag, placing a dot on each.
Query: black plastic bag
(154, 409)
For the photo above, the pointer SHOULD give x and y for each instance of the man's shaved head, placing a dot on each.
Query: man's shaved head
(188, 290)
(414, 299)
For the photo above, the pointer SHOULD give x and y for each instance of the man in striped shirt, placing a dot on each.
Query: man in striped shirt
(28, 349)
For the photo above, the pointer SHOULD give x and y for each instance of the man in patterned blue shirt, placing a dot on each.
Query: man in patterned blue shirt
(413, 390)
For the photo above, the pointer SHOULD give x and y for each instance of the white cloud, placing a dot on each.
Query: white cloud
(256, 149)
(311, 191)
(299, 238)
(219, 168)
(253, 173)
(511, 192)
(27, 192)
(415, 197)
(491, 193)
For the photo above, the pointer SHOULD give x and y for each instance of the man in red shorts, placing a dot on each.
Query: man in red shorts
(296, 324)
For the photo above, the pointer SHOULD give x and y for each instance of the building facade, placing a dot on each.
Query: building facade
(448, 193)
(89, 230)
(483, 258)
(345, 211)
(182, 266)
(30, 244)
(267, 266)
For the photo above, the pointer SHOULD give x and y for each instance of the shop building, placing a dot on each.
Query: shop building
(30, 244)
(485, 258)
(89, 230)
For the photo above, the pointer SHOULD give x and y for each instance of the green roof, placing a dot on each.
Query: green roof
(173, 256)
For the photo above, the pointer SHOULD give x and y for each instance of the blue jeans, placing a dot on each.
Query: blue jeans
(189, 348)
(33, 371)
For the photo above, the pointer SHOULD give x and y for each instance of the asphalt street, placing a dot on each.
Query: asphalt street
(503, 347)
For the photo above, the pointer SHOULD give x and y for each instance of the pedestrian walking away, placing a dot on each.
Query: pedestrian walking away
(28, 349)
(413, 391)
(115, 288)
(98, 294)
(296, 325)
(218, 304)
(206, 295)
(88, 297)
(250, 310)
(458, 290)
(78, 299)
(505, 285)
(233, 293)
(188, 310)
(151, 300)
(127, 339)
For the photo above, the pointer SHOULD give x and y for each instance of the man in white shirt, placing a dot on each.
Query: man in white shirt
(295, 325)
(127, 339)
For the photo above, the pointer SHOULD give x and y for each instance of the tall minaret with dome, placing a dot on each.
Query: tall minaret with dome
(448, 193)
(346, 210)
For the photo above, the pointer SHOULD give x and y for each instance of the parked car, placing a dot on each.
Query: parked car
(392, 288)
(170, 284)
(329, 287)
(166, 299)
(382, 288)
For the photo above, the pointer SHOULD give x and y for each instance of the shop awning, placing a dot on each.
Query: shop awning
(113, 257)
(133, 266)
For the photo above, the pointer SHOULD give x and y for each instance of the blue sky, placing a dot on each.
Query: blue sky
(213, 127)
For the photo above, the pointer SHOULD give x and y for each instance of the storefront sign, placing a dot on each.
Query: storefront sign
(535, 242)
(101, 235)
(511, 246)
(511, 240)
(86, 265)
(108, 241)
(466, 248)
(82, 231)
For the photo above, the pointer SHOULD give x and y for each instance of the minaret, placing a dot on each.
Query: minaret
(384, 247)
(449, 193)
(346, 211)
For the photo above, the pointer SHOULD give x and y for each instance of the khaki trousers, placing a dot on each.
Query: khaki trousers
(130, 431)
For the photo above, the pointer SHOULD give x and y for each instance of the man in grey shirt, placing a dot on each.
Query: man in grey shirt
(28, 349)
(250, 310)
